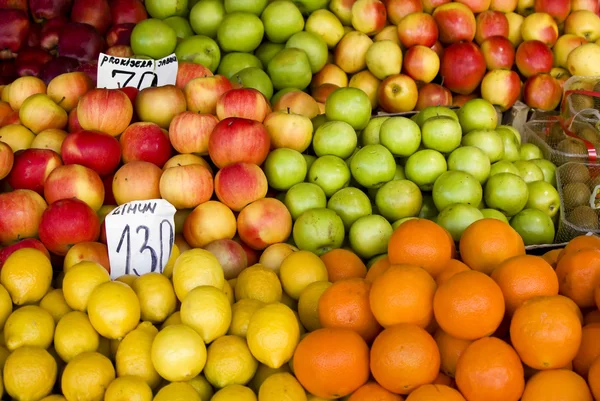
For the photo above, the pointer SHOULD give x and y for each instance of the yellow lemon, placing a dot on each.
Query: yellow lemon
(29, 373)
(114, 309)
(299, 269)
(289, 301)
(175, 318)
(54, 397)
(263, 372)
(54, 302)
(228, 290)
(241, 312)
(309, 302)
(128, 388)
(196, 267)
(80, 281)
(156, 295)
(87, 377)
(207, 310)
(74, 335)
(178, 353)
(281, 387)
(29, 325)
(229, 361)
(234, 392)
(274, 254)
(258, 282)
(26, 275)
(168, 270)
(127, 279)
(177, 392)
(202, 387)
(133, 356)
(273, 334)
(6, 306)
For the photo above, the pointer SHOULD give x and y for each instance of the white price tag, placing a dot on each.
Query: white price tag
(140, 236)
(119, 72)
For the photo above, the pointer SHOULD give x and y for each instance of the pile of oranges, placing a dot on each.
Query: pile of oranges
(423, 324)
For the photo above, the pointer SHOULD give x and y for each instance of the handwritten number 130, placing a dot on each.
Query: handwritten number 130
(125, 242)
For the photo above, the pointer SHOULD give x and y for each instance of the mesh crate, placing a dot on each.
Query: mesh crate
(581, 99)
(579, 208)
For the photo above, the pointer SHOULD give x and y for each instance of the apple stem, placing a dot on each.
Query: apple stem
(61, 100)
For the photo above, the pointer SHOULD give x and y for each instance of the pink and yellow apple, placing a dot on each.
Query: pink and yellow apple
(49, 139)
(491, 23)
(75, 181)
(455, 22)
(505, 6)
(136, 180)
(330, 74)
(189, 132)
(185, 160)
(186, 187)
(418, 28)
(105, 110)
(501, 88)
(585, 24)
(231, 256)
(421, 63)
(590, 5)
(533, 57)
(160, 104)
(186, 71)
(540, 26)
(201, 94)
(297, 102)
(321, 93)
(398, 93)
(264, 222)
(498, 52)
(31, 168)
(208, 222)
(514, 28)
(243, 103)
(542, 91)
(477, 6)
(21, 212)
(288, 130)
(87, 252)
(368, 16)
(73, 123)
(433, 95)
(563, 47)
(430, 5)
(350, 53)
(7, 160)
(96, 150)
(368, 83)
(38, 112)
(145, 142)
(66, 89)
(235, 140)
(561, 75)
(238, 184)
(22, 88)
(398, 9)
(462, 67)
(558, 9)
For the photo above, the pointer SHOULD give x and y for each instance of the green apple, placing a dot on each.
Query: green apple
(267, 50)
(282, 19)
(398, 199)
(400, 135)
(397, 223)
(503, 166)
(232, 63)
(330, 173)
(254, 77)
(529, 151)
(548, 168)
(350, 105)
(310, 159)
(441, 133)
(162, 9)
(153, 38)
(372, 166)
(199, 49)
(535, 226)
(350, 204)
(487, 140)
(318, 231)
(314, 47)
(456, 187)
(255, 7)
(290, 68)
(325, 24)
(543, 196)
(511, 146)
(284, 168)
(471, 160)
(529, 171)
(434, 111)
(456, 218)
(370, 135)
(428, 210)
(493, 214)
(304, 196)
(335, 138)
(309, 6)
(317, 121)
(477, 114)
(240, 32)
(399, 175)
(369, 235)
(506, 192)
(206, 16)
(424, 167)
(180, 25)
(509, 128)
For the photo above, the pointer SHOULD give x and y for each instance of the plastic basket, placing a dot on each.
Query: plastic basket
(581, 99)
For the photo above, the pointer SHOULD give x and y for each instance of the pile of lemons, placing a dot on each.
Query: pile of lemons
(186, 334)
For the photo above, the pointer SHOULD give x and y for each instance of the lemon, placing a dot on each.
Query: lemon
(26, 275)
(86, 377)
(273, 255)
(207, 310)
(281, 387)
(241, 312)
(75, 335)
(228, 290)
(229, 361)
(196, 267)
(4, 353)
(273, 334)
(54, 302)
(258, 282)
(202, 387)
(234, 392)
(29, 325)
(156, 295)
(80, 281)
(29, 373)
(133, 357)
(114, 309)
(128, 388)
(175, 318)
(127, 279)
(6, 306)
(177, 392)
(168, 270)
(299, 269)
(54, 397)
(104, 347)
(178, 353)
(263, 372)
(289, 301)
(309, 302)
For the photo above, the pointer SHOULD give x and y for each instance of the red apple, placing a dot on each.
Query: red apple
(48, 9)
(189, 132)
(201, 94)
(540, 26)
(462, 67)
(56, 67)
(563, 46)
(66, 223)
(90, 68)
(127, 11)
(96, 150)
(66, 89)
(491, 23)
(330, 74)
(433, 95)
(75, 181)
(298, 102)
(93, 12)
(8, 72)
(31, 60)
(558, 9)
(7, 160)
(321, 93)
(288, 130)
(398, 9)
(438, 48)
(187, 71)
(14, 4)
(589, 5)
(80, 41)
(397, 94)
(119, 35)
(239, 184)
(418, 28)
(542, 91)
(505, 6)
(31, 168)
(146, 142)
(236, 140)
(89, 252)
(533, 57)
(21, 212)
(51, 32)
(477, 6)
(73, 123)
(120, 51)
(231, 256)
(430, 5)
(243, 103)
(105, 110)
(109, 197)
(369, 16)
(455, 22)
(264, 222)
(137, 180)
(34, 37)
(501, 88)
(11, 118)
(460, 100)
(421, 64)
(186, 187)
(26, 243)
(498, 52)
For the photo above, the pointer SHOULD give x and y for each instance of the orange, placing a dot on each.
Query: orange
(490, 370)
(345, 304)
(594, 378)
(423, 243)
(403, 294)
(523, 277)
(452, 267)
(556, 385)
(444, 379)
(552, 256)
(451, 349)
(578, 275)
(592, 317)
(377, 269)
(589, 349)
(404, 357)
(545, 332)
(332, 363)
(579, 243)
(597, 295)
(488, 242)
(435, 392)
(469, 305)
(373, 392)
(342, 263)
(529, 371)
(571, 304)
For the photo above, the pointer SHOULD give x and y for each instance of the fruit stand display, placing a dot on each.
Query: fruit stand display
(259, 200)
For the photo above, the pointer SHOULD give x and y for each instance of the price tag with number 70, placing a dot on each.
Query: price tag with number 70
(140, 236)
(119, 72)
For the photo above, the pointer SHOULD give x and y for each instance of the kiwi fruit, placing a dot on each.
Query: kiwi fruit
(575, 194)
(589, 134)
(596, 98)
(575, 173)
(572, 146)
(584, 217)
(580, 102)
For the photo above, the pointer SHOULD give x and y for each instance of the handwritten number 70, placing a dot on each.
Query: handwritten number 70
(130, 75)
